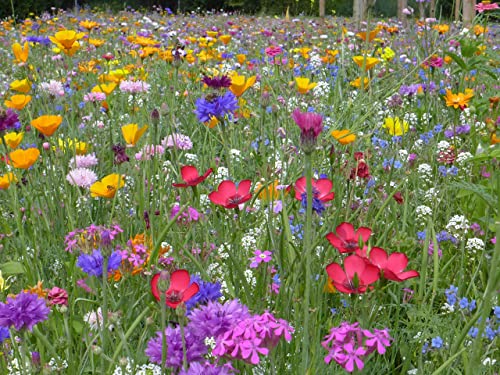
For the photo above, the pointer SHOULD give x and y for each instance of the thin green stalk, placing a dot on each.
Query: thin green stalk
(164, 348)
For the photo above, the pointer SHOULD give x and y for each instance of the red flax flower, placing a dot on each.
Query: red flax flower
(356, 278)
(180, 289)
(393, 265)
(191, 177)
(229, 196)
(347, 239)
(310, 125)
(321, 193)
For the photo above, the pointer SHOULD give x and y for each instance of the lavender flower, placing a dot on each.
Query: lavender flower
(134, 87)
(177, 140)
(207, 368)
(53, 87)
(92, 264)
(84, 161)
(23, 311)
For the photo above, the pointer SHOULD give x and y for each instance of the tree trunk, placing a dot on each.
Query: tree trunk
(468, 11)
(402, 4)
(357, 11)
(421, 10)
(458, 5)
(321, 8)
(432, 9)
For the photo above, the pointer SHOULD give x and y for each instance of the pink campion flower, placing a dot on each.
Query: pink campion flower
(346, 239)
(357, 276)
(228, 195)
(311, 125)
(260, 257)
(378, 340)
(486, 5)
(352, 357)
(392, 266)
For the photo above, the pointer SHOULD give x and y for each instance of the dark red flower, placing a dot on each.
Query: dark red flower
(230, 196)
(191, 177)
(356, 278)
(398, 197)
(347, 240)
(393, 265)
(180, 289)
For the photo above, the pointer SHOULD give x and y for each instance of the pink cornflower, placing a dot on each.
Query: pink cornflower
(273, 51)
(94, 97)
(53, 87)
(260, 257)
(84, 161)
(134, 87)
(177, 140)
(82, 177)
(483, 6)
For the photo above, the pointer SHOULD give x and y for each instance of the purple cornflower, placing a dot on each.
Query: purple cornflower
(4, 334)
(207, 368)
(8, 120)
(23, 311)
(218, 107)
(195, 348)
(310, 125)
(177, 140)
(217, 82)
(260, 257)
(92, 264)
(208, 292)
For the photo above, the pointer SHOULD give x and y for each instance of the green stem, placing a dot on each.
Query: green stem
(164, 348)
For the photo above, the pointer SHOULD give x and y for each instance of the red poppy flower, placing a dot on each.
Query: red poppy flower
(229, 196)
(356, 278)
(393, 265)
(180, 289)
(347, 240)
(321, 189)
(191, 177)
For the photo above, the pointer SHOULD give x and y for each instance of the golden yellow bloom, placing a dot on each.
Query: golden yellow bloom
(331, 56)
(241, 58)
(395, 126)
(37, 289)
(329, 288)
(18, 101)
(441, 29)
(24, 159)
(225, 39)
(371, 35)
(79, 147)
(388, 54)
(344, 136)
(97, 42)
(357, 83)
(20, 53)
(269, 192)
(240, 84)
(106, 88)
(459, 100)
(115, 76)
(494, 139)
(47, 124)
(212, 34)
(370, 61)
(107, 187)
(13, 139)
(89, 25)
(304, 85)
(67, 41)
(132, 133)
(5, 182)
(478, 30)
(212, 123)
(23, 86)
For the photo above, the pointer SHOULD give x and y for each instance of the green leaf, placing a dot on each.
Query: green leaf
(12, 268)
(481, 191)
(458, 60)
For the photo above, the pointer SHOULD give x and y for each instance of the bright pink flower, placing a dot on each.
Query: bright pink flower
(191, 177)
(58, 296)
(229, 196)
(393, 265)
(347, 240)
(311, 125)
(356, 278)
(273, 51)
(482, 6)
(180, 289)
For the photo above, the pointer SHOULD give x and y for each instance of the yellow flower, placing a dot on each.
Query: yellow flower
(18, 101)
(459, 100)
(241, 58)
(23, 86)
(47, 124)
(106, 88)
(395, 126)
(72, 144)
(357, 82)
(89, 25)
(370, 61)
(67, 41)
(304, 85)
(344, 136)
(107, 187)
(132, 133)
(21, 53)
(240, 84)
(268, 193)
(212, 123)
(5, 182)
(97, 42)
(225, 39)
(388, 54)
(3, 285)
(478, 30)
(371, 35)
(24, 159)
(13, 139)
(441, 29)
(37, 289)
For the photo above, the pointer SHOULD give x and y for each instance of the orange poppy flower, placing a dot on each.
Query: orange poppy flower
(225, 39)
(6, 180)
(344, 136)
(89, 25)
(240, 84)
(18, 101)
(369, 62)
(107, 187)
(371, 35)
(47, 124)
(21, 53)
(24, 159)
(459, 100)
(304, 85)
(67, 41)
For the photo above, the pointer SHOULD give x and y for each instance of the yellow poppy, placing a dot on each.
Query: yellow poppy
(89, 25)
(79, 147)
(21, 52)
(304, 85)
(107, 187)
(106, 88)
(269, 193)
(24, 159)
(371, 35)
(18, 101)
(395, 126)
(225, 39)
(357, 82)
(441, 29)
(97, 42)
(22, 86)
(212, 123)
(240, 84)
(369, 62)
(132, 133)
(344, 136)
(13, 139)
(241, 58)
(459, 100)
(6, 180)
(47, 124)
(67, 41)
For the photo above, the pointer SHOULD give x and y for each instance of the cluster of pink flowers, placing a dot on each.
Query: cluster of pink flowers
(253, 337)
(94, 97)
(177, 140)
(134, 87)
(349, 345)
(92, 237)
(186, 217)
(82, 175)
(149, 151)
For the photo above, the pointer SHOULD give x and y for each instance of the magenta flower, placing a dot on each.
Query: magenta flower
(378, 340)
(352, 356)
(260, 257)
(250, 350)
(310, 125)
(483, 6)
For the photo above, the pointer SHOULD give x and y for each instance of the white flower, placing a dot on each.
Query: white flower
(474, 244)
(457, 226)
(425, 171)
(443, 146)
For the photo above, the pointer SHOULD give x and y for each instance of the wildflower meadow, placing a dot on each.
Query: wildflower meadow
(214, 193)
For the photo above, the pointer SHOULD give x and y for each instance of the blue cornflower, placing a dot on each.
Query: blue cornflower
(217, 107)
(437, 342)
(4, 334)
(421, 235)
(317, 205)
(438, 128)
(463, 303)
(397, 139)
(442, 170)
(208, 292)
(92, 264)
(451, 294)
(473, 332)
(453, 171)
(496, 311)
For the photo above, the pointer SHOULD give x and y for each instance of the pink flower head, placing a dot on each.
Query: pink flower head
(393, 265)
(310, 125)
(483, 6)
(260, 257)
(356, 278)
(58, 296)
(347, 240)
(191, 177)
(272, 51)
(229, 196)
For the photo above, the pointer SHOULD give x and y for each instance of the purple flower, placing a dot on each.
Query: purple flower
(81, 177)
(208, 292)
(310, 125)
(217, 82)
(8, 120)
(120, 154)
(23, 311)
(177, 140)
(195, 348)
(207, 368)
(92, 264)
(260, 257)
(218, 107)
(4, 334)
(378, 340)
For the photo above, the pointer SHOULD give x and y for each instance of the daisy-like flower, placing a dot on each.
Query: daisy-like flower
(460, 100)
(260, 257)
